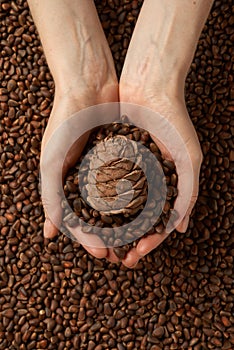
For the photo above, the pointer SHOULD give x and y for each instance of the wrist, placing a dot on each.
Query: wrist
(162, 47)
(155, 73)
(84, 95)
(146, 87)
(74, 44)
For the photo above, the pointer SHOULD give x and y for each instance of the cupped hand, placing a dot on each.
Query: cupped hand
(155, 68)
(51, 159)
(178, 141)
(82, 66)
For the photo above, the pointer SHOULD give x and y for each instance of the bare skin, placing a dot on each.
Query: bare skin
(161, 49)
(157, 62)
(82, 66)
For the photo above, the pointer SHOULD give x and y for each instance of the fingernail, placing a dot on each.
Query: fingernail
(46, 231)
(49, 230)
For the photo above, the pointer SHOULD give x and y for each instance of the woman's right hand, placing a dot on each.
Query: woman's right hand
(169, 116)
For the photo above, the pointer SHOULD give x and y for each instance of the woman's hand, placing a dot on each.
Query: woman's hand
(184, 149)
(158, 58)
(82, 66)
(51, 160)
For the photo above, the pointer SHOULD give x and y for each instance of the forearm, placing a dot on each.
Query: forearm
(164, 40)
(73, 42)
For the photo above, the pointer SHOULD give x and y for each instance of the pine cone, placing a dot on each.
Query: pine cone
(116, 182)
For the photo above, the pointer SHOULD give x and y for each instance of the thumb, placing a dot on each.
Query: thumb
(49, 184)
(55, 162)
(91, 242)
(49, 230)
(182, 227)
(52, 195)
(53, 169)
(51, 200)
(188, 187)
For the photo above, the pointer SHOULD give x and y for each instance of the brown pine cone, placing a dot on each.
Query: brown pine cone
(116, 183)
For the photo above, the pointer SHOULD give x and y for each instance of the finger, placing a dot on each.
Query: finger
(181, 224)
(51, 164)
(98, 253)
(74, 153)
(188, 187)
(51, 200)
(185, 150)
(147, 244)
(91, 242)
(53, 171)
(185, 172)
(131, 258)
(111, 256)
(163, 149)
(182, 227)
(49, 229)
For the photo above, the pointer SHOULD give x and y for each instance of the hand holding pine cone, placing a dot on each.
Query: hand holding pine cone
(114, 182)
